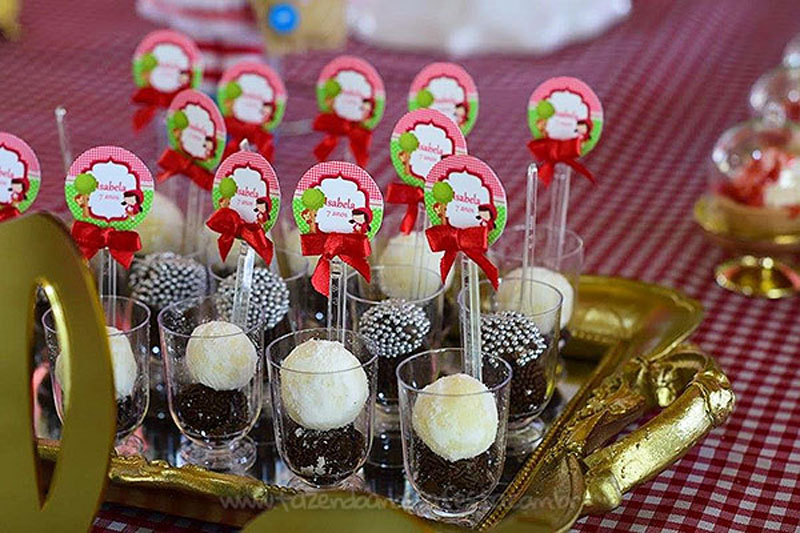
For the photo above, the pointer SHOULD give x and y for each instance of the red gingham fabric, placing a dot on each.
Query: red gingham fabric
(672, 78)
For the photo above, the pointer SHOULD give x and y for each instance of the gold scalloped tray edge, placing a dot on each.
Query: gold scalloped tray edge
(619, 318)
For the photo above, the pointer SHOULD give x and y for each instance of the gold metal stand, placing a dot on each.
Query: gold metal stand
(758, 273)
(759, 277)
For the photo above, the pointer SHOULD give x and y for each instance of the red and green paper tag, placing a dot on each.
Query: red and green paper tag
(466, 205)
(20, 176)
(165, 63)
(351, 100)
(252, 99)
(420, 139)
(566, 119)
(449, 89)
(196, 134)
(247, 199)
(338, 208)
(109, 191)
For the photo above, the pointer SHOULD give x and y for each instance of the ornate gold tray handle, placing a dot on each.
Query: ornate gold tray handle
(696, 397)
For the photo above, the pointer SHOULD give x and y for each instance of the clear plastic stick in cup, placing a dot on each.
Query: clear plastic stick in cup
(559, 204)
(529, 250)
(472, 332)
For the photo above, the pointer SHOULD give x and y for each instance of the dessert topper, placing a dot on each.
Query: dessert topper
(165, 63)
(420, 139)
(338, 209)
(449, 89)
(247, 200)
(196, 134)
(20, 176)
(566, 119)
(351, 99)
(466, 204)
(109, 191)
(252, 99)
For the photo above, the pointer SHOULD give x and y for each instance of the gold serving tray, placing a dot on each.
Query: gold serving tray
(624, 358)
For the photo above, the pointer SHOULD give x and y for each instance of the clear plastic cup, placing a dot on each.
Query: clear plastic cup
(524, 330)
(129, 342)
(214, 403)
(323, 443)
(454, 443)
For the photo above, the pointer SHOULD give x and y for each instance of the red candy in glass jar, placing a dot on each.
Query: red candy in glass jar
(756, 179)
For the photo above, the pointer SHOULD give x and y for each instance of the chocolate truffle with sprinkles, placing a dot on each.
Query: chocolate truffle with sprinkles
(269, 298)
(397, 329)
(516, 338)
(164, 278)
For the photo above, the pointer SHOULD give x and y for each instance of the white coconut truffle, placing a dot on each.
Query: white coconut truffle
(323, 385)
(123, 363)
(453, 419)
(511, 288)
(290, 241)
(162, 229)
(401, 250)
(220, 356)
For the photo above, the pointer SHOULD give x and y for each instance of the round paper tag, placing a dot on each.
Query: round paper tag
(109, 186)
(448, 88)
(421, 139)
(464, 192)
(337, 197)
(195, 127)
(167, 61)
(247, 183)
(252, 93)
(352, 89)
(20, 175)
(565, 109)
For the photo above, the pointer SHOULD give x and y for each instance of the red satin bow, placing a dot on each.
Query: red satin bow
(8, 212)
(153, 101)
(121, 244)
(352, 248)
(229, 224)
(403, 193)
(334, 127)
(472, 241)
(550, 151)
(254, 133)
(174, 162)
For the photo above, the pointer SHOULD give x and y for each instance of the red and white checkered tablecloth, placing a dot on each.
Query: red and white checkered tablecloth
(672, 78)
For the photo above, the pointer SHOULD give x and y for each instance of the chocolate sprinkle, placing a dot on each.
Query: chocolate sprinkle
(453, 485)
(128, 412)
(212, 413)
(516, 338)
(323, 458)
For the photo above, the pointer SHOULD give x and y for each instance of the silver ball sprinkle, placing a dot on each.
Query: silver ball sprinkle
(269, 298)
(512, 336)
(395, 327)
(164, 278)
